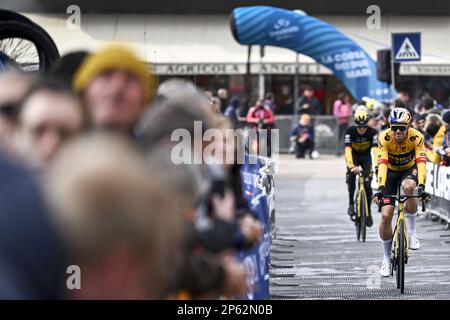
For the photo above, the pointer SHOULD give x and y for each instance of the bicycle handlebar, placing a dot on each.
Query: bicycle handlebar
(402, 199)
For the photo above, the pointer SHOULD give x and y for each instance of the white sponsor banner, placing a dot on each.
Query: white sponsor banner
(237, 68)
(424, 70)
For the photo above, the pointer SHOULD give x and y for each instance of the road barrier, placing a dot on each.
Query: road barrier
(438, 185)
(258, 187)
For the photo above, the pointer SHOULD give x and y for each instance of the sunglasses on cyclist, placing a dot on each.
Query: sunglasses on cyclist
(363, 126)
(399, 128)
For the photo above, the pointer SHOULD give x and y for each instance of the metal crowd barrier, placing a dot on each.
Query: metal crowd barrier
(325, 128)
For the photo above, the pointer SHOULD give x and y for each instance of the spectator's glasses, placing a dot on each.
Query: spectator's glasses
(400, 128)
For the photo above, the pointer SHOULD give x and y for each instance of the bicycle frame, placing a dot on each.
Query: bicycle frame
(396, 233)
(361, 189)
(401, 217)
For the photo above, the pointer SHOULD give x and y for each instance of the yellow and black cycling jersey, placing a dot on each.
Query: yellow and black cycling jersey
(359, 145)
(401, 156)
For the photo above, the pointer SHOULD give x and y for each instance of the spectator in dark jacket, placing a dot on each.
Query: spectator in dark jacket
(231, 111)
(308, 103)
(32, 263)
(270, 101)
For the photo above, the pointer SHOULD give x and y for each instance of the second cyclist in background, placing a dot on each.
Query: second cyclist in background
(360, 139)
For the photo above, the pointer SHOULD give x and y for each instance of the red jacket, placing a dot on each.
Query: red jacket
(260, 112)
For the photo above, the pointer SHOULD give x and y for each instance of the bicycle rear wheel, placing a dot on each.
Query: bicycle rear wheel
(357, 220)
(401, 258)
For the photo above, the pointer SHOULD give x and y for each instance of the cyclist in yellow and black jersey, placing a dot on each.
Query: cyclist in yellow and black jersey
(360, 139)
(401, 161)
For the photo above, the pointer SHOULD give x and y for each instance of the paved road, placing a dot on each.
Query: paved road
(315, 254)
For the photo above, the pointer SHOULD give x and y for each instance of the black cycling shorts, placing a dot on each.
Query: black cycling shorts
(365, 161)
(394, 179)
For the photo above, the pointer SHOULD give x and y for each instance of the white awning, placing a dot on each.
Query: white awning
(205, 42)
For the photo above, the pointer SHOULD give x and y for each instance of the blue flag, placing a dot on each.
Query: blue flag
(264, 25)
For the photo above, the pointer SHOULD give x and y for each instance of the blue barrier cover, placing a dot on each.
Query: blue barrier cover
(256, 260)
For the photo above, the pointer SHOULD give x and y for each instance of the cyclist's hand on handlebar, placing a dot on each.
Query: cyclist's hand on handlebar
(424, 196)
(377, 197)
(357, 169)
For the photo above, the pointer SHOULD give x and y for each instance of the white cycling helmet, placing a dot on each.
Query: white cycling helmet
(399, 116)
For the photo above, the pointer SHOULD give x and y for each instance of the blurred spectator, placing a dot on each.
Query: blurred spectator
(426, 105)
(120, 227)
(165, 116)
(342, 111)
(432, 124)
(51, 114)
(270, 101)
(445, 150)
(14, 84)
(66, 66)
(308, 103)
(231, 112)
(250, 226)
(32, 262)
(287, 107)
(156, 129)
(208, 93)
(175, 87)
(115, 88)
(419, 122)
(408, 103)
(222, 93)
(216, 104)
(214, 218)
(383, 120)
(434, 135)
(197, 275)
(373, 122)
(260, 115)
(303, 135)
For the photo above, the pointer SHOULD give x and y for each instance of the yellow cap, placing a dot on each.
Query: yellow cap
(114, 57)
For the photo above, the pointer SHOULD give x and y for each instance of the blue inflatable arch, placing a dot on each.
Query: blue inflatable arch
(265, 25)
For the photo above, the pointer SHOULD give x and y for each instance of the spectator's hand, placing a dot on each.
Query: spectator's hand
(447, 151)
(224, 208)
(235, 280)
(305, 106)
(252, 229)
(303, 138)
